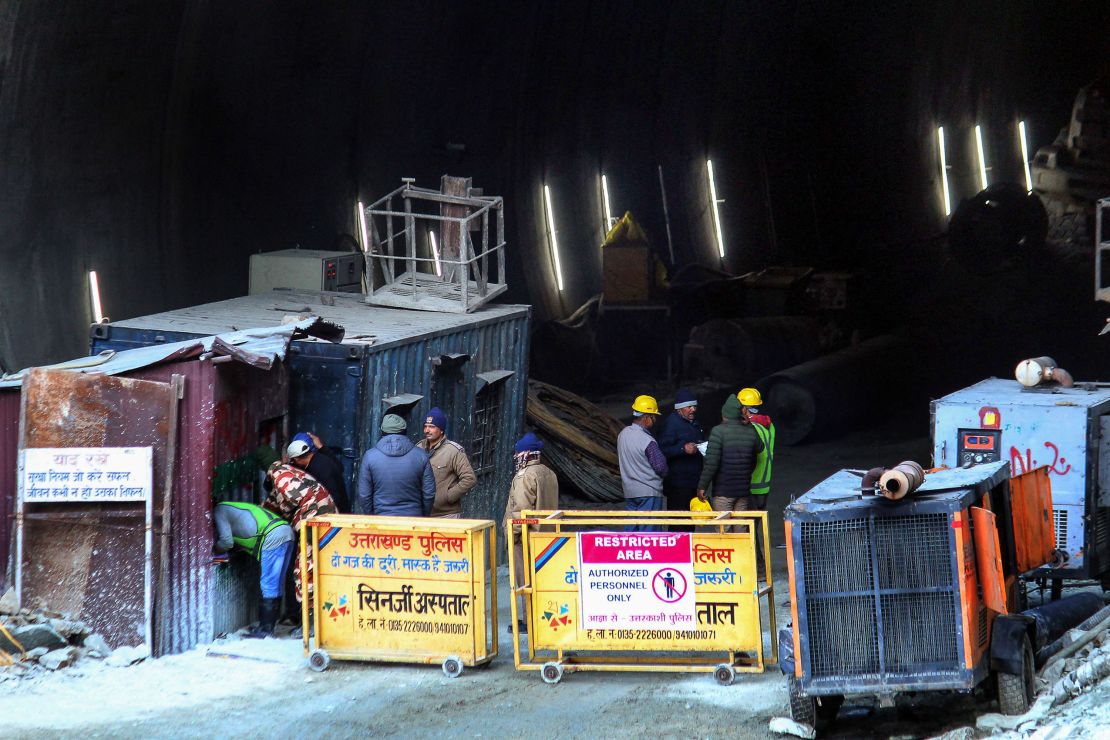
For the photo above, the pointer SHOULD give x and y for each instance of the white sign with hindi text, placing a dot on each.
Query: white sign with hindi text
(86, 474)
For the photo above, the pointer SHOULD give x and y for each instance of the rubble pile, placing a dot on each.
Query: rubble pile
(33, 642)
(1074, 698)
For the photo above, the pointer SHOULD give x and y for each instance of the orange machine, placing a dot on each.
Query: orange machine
(915, 594)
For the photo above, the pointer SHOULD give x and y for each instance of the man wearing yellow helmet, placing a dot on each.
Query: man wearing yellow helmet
(761, 474)
(729, 460)
(642, 463)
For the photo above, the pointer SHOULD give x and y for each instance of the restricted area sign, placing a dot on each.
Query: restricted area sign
(632, 580)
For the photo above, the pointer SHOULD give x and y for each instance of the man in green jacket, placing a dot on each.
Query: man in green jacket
(730, 458)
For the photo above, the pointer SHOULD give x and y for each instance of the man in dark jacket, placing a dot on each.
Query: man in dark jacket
(729, 460)
(308, 453)
(395, 478)
(678, 440)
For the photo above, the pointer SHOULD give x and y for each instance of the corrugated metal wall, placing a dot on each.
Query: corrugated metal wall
(407, 368)
(201, 602)
(9, 449)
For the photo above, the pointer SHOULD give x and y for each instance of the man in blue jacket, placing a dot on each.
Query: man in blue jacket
(395, 478)
(678, 440)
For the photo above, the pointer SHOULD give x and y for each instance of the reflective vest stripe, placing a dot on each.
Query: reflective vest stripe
(761, 475)
(265, 522)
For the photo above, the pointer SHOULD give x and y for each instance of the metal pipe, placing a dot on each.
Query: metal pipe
(901, 480)
(1079, 644)
(666, 214)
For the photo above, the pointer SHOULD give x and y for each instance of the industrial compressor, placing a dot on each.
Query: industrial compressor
(915, 594)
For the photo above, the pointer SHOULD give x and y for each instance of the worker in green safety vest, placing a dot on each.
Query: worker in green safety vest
(269, 540)
(751, 400)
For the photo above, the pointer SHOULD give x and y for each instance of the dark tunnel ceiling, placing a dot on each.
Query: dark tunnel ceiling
(162, 143)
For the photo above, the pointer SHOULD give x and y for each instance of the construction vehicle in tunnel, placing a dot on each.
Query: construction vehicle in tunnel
(915, 594)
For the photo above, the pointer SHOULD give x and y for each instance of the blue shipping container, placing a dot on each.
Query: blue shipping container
(474, 366)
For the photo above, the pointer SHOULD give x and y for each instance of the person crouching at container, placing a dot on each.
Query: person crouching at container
(297, 497)
(268, 539)
(534, 487)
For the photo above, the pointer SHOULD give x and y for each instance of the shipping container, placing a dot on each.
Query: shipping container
(474, 366)
(1066, 429)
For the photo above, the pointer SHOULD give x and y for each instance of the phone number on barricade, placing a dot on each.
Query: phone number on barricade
(412, 625)
(651, 634)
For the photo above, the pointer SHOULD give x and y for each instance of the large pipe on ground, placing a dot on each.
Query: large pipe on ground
(740, 350)
(901, 480)
(837, 390)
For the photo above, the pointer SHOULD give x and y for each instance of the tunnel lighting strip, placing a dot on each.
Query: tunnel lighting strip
(605, 205)
(1025, 156)
(362, 226)
(982, 158)
(716, 209)
(944, 172)
(94, 294)
(435, 252)
(552, 239)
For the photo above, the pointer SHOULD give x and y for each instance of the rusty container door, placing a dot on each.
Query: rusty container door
(1034, 534)
(88, 559)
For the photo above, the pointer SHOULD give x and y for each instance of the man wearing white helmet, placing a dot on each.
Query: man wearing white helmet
(308, 453)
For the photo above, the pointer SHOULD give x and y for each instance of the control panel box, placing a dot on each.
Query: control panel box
(306, 269)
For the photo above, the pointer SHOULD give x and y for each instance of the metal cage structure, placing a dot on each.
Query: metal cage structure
(435, 250)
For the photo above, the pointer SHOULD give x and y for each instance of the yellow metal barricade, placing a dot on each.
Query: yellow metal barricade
(400, 589)
(728, 633)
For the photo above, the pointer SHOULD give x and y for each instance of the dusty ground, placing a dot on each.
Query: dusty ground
(272, 694)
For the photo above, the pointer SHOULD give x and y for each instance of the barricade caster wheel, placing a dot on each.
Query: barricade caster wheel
(551, 673)
(452, 666)
(319, 660)
(724, 674)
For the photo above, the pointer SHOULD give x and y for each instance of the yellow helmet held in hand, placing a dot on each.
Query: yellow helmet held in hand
(645, 405)
(749, 397)
(696, 504)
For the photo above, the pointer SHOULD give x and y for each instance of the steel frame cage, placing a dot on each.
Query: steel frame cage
(421, 288)
(591, 660)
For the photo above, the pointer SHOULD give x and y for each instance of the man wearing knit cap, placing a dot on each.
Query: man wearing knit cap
(450, 466)
(642, 463)
(395, 478)
(729, 459)
(679, 439)
(534, 487)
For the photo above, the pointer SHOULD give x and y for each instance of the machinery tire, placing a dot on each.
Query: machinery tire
(319, 660)
(452, 666)
(724, 674)
(1016, 693)
(551, 673)
(803, 708)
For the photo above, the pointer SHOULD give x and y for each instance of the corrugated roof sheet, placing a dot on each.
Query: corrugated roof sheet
(260, 347)
(365, 324)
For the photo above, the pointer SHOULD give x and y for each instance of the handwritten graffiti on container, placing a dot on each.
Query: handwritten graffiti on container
(1020, 464)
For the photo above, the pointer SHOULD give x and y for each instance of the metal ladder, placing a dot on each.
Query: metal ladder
(1102, 247)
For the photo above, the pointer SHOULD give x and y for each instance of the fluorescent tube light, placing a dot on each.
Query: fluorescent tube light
(552, 238)
(716, 210)
(435, 252)
(605, 203)
(944, 172)
(94, 294)
(1025, 156)
(982, 159)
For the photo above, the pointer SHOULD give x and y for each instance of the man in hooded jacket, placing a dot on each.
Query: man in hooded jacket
(395, 478)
